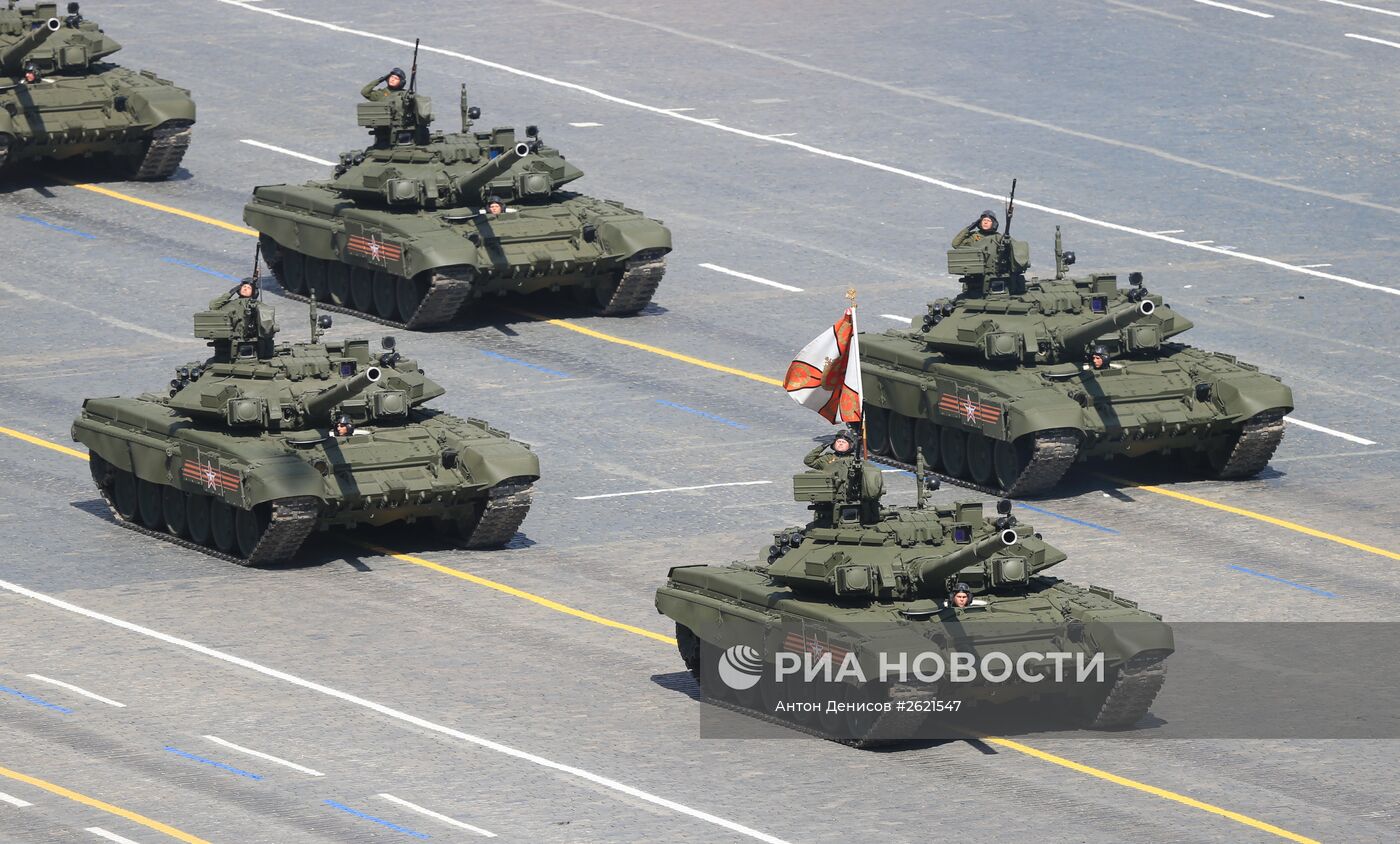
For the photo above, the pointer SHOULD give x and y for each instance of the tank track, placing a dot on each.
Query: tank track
(1130, 698)
(1053, 455)
(163, 156)
(446, 293)
(505, 510)
(1259, 437)
(634, 291)
(292, 521)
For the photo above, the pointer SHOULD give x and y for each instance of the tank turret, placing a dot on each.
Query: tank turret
(322, 403)
(12, 55)
(1077, 336)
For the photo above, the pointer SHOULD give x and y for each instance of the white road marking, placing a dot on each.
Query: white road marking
(1203, 242)
(815, 150)
(110, 836)
(72, 688)
(677, 110)
(898, 318)
(293, 153)
(585, 125)
(1342, 434)
(1233, 8)
(1390, 12)
(110, 320)
(768, 100)
(1313, 266)
(783, 135)
(1171, 231)
(1373, 40)
(435, 816)
(14, 801)
(671, 489)
(748, 277)
(267, 756)
(397, 715)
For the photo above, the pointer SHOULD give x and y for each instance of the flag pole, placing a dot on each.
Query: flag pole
(851, 295)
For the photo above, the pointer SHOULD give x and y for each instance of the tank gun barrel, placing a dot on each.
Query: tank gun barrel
(12, 57)
(1116, 318)
(473, 182)
(934, 569)
(321, 403)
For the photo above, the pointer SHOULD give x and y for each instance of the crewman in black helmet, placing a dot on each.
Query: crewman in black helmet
(961, 596)
(985, 226)
(31, 74)
(344, 427)
(394, 81)
(1098, 358)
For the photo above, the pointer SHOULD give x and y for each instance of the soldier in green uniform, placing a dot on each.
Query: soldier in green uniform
(858, 481)
(986, 226)
(393, 83)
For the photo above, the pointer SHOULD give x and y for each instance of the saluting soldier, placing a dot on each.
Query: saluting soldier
(985, 226)
(393, 81)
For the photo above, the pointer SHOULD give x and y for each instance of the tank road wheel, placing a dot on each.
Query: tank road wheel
(317, 278)
(926, 437)
(362, 289)
(386, 294)
(148, 504)
(689, 646)
(248, 528)
(293, 274)
(603, 292)
(198, 517)
(1246, 453)
(338, 283)
(124, 497)
(101, 470)
(1009, 460)
(902, 437)
(952, 448)
(172, 508)
(460, 525)
(979, 457)
(877, 429)
(410, 292)
(221, 525)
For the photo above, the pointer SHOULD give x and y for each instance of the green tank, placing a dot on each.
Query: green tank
(402, 233)
(79, 104)
(251, 450)
(1009, 383)
(863, 581)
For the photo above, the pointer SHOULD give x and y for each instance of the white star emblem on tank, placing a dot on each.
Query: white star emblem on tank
(970, 410)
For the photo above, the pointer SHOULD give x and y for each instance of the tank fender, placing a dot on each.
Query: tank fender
(435, 249)
(1244, 395)
(1120, 641)
(160, 104)
(284, 476)
(713, 620)
(1043, 410)
(126, 450)
(493, 462)
(7, 123)
(626, 237)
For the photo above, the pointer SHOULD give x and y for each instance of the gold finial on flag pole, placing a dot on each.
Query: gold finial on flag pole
(851, 294)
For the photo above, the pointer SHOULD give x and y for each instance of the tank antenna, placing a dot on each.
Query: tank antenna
(413, 73)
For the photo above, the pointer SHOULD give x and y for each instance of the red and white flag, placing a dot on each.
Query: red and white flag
(826, 374)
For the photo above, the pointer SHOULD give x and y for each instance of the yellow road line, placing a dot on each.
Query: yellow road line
(171, 831)
(156, 206)
(33, 440)
(1250, 514)
(519, 593)
(1151, 789)
(659, 637)
(655, 350)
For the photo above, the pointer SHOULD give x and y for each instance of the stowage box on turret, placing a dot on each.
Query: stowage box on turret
(404, 231)
(1013, 380)
(60, 98)
(873, 592)
(255, 447)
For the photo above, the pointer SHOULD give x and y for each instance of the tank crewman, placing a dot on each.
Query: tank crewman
(961, 597)
(985, 226)
(393, 83)
(344, 427)
(31, 74)
(495, 206)
(844, 445)
(1099, 359)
